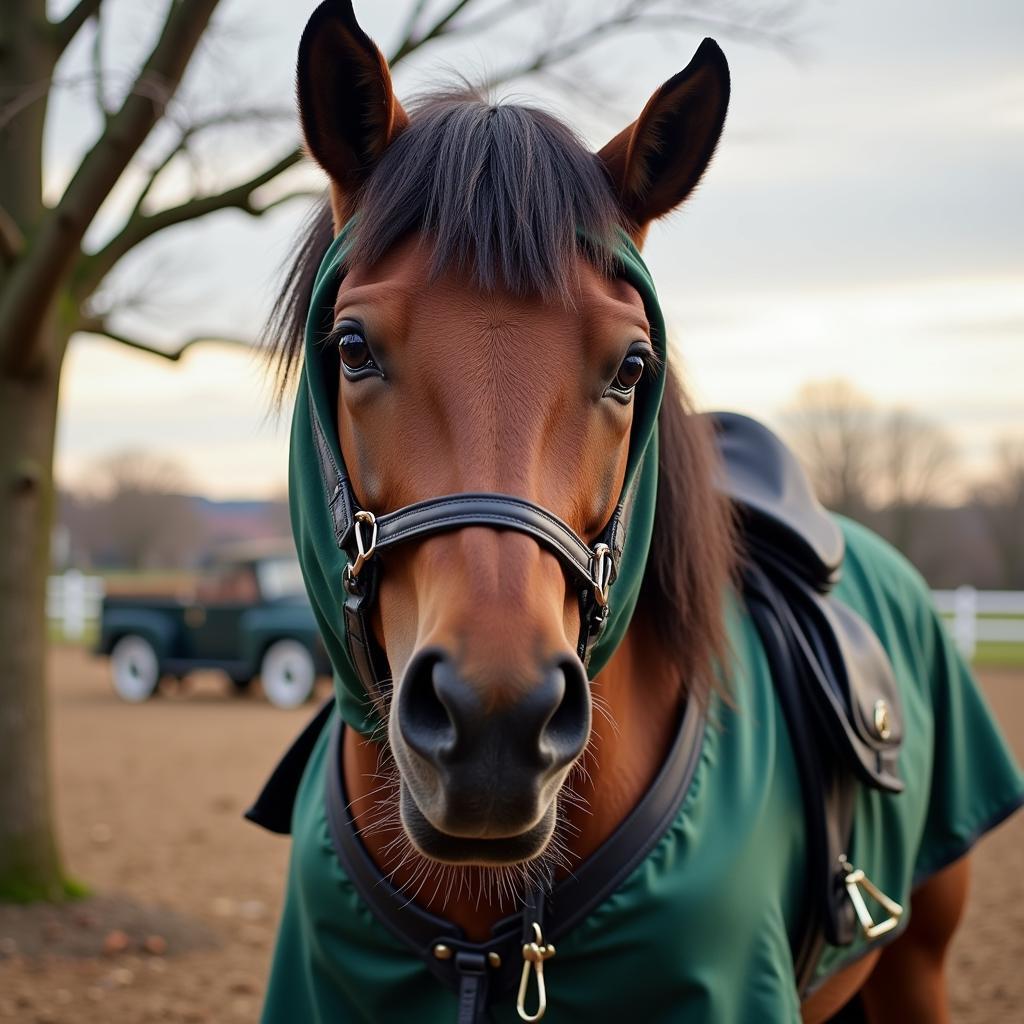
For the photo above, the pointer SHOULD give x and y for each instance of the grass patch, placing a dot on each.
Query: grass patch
(61, 890)
(76, 890)
(88, 639)
(995, 654)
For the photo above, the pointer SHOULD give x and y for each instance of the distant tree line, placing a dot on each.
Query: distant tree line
(138, 512)
(899, 473)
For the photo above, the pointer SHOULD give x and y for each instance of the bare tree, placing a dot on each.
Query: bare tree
(888, 467)
(142, 515)
(833, 428)
(1002, 504)
(51, 285)
(915, 460)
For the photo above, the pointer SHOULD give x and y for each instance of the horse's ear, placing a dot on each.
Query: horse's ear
(346, 101)
(656, 162)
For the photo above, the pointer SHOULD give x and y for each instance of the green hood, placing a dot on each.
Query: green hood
(323, 562)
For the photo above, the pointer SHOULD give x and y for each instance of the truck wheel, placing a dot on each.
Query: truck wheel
(287, 673)
(135, 668)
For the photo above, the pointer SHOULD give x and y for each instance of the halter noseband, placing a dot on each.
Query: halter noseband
(362, 536)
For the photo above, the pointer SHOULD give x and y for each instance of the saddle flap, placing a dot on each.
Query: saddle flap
(857, 695)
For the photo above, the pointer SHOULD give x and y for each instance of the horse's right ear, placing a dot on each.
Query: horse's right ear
(346, 101)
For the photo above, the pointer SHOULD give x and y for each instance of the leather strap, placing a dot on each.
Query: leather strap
(828, 786)
(558, 910)
(499, 511)
(474, 982)
(457, 511)
(336, 485)
(589, 571)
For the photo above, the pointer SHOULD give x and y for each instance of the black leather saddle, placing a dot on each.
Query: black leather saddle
(834, 680)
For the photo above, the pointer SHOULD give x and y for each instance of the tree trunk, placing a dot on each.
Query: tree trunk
(30, 866)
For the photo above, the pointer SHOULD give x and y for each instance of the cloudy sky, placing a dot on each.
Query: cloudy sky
(864, 218)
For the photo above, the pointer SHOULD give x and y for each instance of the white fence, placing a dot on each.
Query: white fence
(73, 601)
(982, 615)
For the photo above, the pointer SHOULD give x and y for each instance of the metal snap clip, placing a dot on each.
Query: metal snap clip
(364, 549)
(534, 955)
(602, 573)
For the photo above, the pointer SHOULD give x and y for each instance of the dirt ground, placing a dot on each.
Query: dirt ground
(187, 894)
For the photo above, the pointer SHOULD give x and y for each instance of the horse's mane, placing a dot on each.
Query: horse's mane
(509, 194)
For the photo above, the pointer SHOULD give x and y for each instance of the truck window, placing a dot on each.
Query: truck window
(279, 578)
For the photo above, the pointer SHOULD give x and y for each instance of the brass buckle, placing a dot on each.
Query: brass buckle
(534, 955)
(602, 573)
(856, 880)
(364, 550)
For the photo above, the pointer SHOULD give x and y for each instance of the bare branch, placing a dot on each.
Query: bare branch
(66, 29)
(33, 92)
(633, 17)
(189, 132)
(287, 197)
(12, 241)
(415, 40)
(101, 328)
(92, 269)
(409, 29)
(38, 277)
(99, 78)
(495, 16)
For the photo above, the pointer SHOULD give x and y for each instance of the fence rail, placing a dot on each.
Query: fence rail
(73, 601)
(975, 616)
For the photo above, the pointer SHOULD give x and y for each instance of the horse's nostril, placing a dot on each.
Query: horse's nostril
(424, 717)
(445, 719)
(478, 761)
(566, 731)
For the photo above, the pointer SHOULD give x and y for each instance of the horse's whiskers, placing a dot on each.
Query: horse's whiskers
(503, 886)
(603, 708)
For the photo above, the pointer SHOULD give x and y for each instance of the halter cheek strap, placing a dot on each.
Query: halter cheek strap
(362, 535)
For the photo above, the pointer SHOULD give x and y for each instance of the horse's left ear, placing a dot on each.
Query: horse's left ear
(656, 162)
(346, 100)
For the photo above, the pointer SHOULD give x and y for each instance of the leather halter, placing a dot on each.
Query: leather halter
(363, 536)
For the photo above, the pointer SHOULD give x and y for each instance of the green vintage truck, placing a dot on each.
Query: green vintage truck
(248, 616)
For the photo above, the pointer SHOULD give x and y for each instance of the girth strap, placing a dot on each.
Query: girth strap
(828, 792)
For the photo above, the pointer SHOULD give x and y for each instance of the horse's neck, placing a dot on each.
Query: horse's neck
(637, 698)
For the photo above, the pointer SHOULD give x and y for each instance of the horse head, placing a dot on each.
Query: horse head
(485, 343)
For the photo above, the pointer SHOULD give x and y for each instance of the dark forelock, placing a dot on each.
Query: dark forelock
(505, 193)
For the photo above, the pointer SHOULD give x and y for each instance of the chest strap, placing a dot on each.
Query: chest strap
(556, 909)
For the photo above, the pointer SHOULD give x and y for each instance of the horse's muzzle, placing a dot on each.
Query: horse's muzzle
(481, 769)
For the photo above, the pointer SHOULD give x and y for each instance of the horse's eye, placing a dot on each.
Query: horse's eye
(355, 353)
(630, 372)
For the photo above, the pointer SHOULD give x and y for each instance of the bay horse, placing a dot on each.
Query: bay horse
(474, 321)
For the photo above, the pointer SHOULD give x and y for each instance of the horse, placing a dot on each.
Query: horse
(525, 570)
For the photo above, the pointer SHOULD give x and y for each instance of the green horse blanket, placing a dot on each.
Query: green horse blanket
(701, 928)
